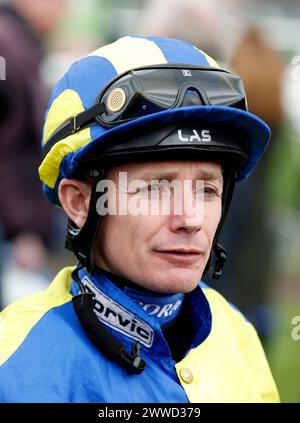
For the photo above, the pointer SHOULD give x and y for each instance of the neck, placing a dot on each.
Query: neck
(164, 307)
(121, 282)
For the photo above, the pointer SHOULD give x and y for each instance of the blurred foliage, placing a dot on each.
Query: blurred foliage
(284, 353)
(283, 191)
(284, 170)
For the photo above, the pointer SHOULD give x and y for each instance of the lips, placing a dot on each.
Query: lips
(181, 251)
(180, 256)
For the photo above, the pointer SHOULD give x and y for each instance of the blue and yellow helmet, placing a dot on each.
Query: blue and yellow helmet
(106, 97)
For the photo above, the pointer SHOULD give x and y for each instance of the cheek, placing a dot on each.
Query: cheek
(126, 239)
(115, 235)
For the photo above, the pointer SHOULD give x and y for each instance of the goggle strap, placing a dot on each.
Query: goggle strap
(73, 125)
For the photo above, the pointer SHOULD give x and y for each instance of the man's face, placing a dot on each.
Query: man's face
(164, 253)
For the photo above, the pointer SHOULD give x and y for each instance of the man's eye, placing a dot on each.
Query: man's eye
(155, 188)
(210, 192)
(152, 187)
(158, 189)
(149, 190)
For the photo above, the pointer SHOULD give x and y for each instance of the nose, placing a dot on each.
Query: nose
(187, 213)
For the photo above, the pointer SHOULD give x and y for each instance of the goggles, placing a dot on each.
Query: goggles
(144, 91)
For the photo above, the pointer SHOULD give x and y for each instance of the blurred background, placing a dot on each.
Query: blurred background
(257, 39)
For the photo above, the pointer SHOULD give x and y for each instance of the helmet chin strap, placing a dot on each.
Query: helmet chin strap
(81, 241)
(218, 255)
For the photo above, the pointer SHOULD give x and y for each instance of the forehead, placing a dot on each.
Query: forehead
(170, 168)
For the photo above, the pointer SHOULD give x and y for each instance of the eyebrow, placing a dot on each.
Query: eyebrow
(203, 174)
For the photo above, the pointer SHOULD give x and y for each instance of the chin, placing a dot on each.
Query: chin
(176, 280)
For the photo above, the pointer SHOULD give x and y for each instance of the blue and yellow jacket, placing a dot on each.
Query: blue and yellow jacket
(45, 356)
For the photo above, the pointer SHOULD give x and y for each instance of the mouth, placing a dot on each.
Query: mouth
(180, 256)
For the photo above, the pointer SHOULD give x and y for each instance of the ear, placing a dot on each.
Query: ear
(74, 197)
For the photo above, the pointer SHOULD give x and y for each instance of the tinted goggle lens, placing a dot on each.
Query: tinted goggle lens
(146, 91)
